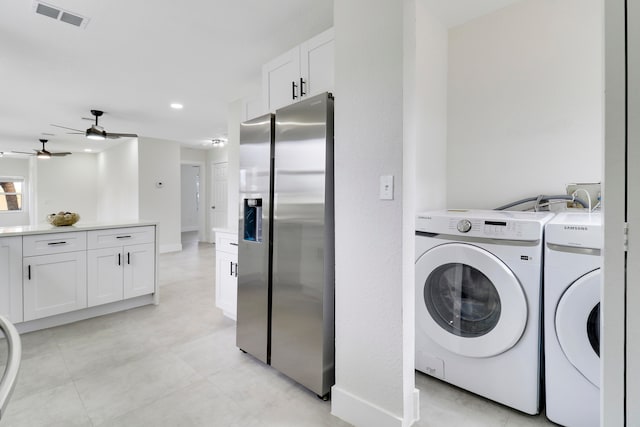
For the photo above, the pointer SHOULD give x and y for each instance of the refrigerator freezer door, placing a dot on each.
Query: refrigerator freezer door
(254, 254)
(302, 340)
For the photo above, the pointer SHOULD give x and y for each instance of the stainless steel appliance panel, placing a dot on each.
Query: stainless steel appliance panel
(254, 254)
(302, 340)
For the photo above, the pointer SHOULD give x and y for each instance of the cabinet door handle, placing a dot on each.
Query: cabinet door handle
(56, 243)
(119, 262)
(128, 257)
(302, 92)
(123, 237)
(293, 90)
(29, 272)
(236, 270)
(233, 244)
(230, 268)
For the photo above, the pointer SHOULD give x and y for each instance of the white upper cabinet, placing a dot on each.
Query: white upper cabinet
(303, 71)
(317, 63)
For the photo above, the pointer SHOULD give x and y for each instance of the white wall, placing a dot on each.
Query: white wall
(430, 116)
(235, 117)
(67, 184)
(16, 168)
(370, 376)
(158, 161)
(193, 155)
(117, 184)
(525, 102)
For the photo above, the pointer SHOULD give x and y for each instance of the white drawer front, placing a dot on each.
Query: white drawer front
(227, 242)
(109, 238)
(54, 243)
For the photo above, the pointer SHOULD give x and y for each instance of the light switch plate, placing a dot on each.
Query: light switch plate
(386, 187)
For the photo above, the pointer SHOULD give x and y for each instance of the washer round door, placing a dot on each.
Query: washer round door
(469, 301)
(578, 325)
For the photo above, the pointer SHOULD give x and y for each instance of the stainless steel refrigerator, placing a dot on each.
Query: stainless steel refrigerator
(285, 314)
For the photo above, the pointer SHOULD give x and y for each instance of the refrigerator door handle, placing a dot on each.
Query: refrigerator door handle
(293, 90)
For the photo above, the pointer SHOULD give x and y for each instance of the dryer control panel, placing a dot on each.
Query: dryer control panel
(484, 224)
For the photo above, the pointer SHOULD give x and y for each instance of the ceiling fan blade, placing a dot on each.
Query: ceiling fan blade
(60, 154)
(22, 152)
(64, 127)
(75, 133)
(115, 135)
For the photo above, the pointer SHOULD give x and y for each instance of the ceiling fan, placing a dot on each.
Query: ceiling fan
(96, 131)
(43, 154)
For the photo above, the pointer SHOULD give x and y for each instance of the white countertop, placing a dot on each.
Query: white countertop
(79, 226)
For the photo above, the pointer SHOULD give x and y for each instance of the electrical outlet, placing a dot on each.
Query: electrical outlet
(593, 188)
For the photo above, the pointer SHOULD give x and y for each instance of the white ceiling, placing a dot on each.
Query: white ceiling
(133, 59)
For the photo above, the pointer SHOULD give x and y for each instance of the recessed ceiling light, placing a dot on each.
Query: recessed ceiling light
(88, 150)
(177, 106)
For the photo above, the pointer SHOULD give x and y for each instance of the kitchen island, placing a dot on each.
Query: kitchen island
(55, 275)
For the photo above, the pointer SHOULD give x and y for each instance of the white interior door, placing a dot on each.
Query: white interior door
(219, 195)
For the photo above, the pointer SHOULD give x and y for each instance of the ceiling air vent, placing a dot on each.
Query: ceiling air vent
(60, 14)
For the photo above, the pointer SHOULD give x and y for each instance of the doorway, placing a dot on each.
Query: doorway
(192, 210)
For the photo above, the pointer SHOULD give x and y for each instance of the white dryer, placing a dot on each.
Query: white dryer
(478, 302)
(572, 318)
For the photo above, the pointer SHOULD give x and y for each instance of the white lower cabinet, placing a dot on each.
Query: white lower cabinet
(48, 274)
(139, 270)
(227, 273)
(120, 271)
(104, 276)
(54, 284)
(11, 278)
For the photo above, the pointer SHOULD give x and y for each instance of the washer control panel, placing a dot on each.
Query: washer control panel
(464, 225)
(522, 226)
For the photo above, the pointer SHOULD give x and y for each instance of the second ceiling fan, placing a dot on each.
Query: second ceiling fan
(96, 131)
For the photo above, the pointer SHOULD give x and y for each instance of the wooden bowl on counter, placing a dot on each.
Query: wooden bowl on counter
(63, 218)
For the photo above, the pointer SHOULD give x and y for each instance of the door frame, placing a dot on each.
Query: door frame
(632, 212)
(614, 290)
(203, 200)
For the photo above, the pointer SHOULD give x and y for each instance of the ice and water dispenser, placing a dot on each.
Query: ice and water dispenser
(253, 220)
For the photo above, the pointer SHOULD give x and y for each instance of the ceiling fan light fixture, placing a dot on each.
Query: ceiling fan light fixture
(43, 155)
(96, 134)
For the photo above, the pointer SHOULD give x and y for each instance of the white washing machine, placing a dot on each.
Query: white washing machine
(478, 302)
(572, 318)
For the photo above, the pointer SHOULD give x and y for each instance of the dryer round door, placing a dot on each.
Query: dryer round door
(578, 325)
(469, 301)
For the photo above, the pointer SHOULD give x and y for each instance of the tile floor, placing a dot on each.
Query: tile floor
(176, 364)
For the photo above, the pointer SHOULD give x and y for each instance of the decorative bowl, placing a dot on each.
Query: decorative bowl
(63, 218)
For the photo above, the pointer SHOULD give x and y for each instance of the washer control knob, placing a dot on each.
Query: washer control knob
(464, 225)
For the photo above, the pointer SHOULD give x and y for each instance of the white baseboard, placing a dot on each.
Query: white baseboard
(85, 313)
(416, 406)
(163, 249)
(361, 413)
